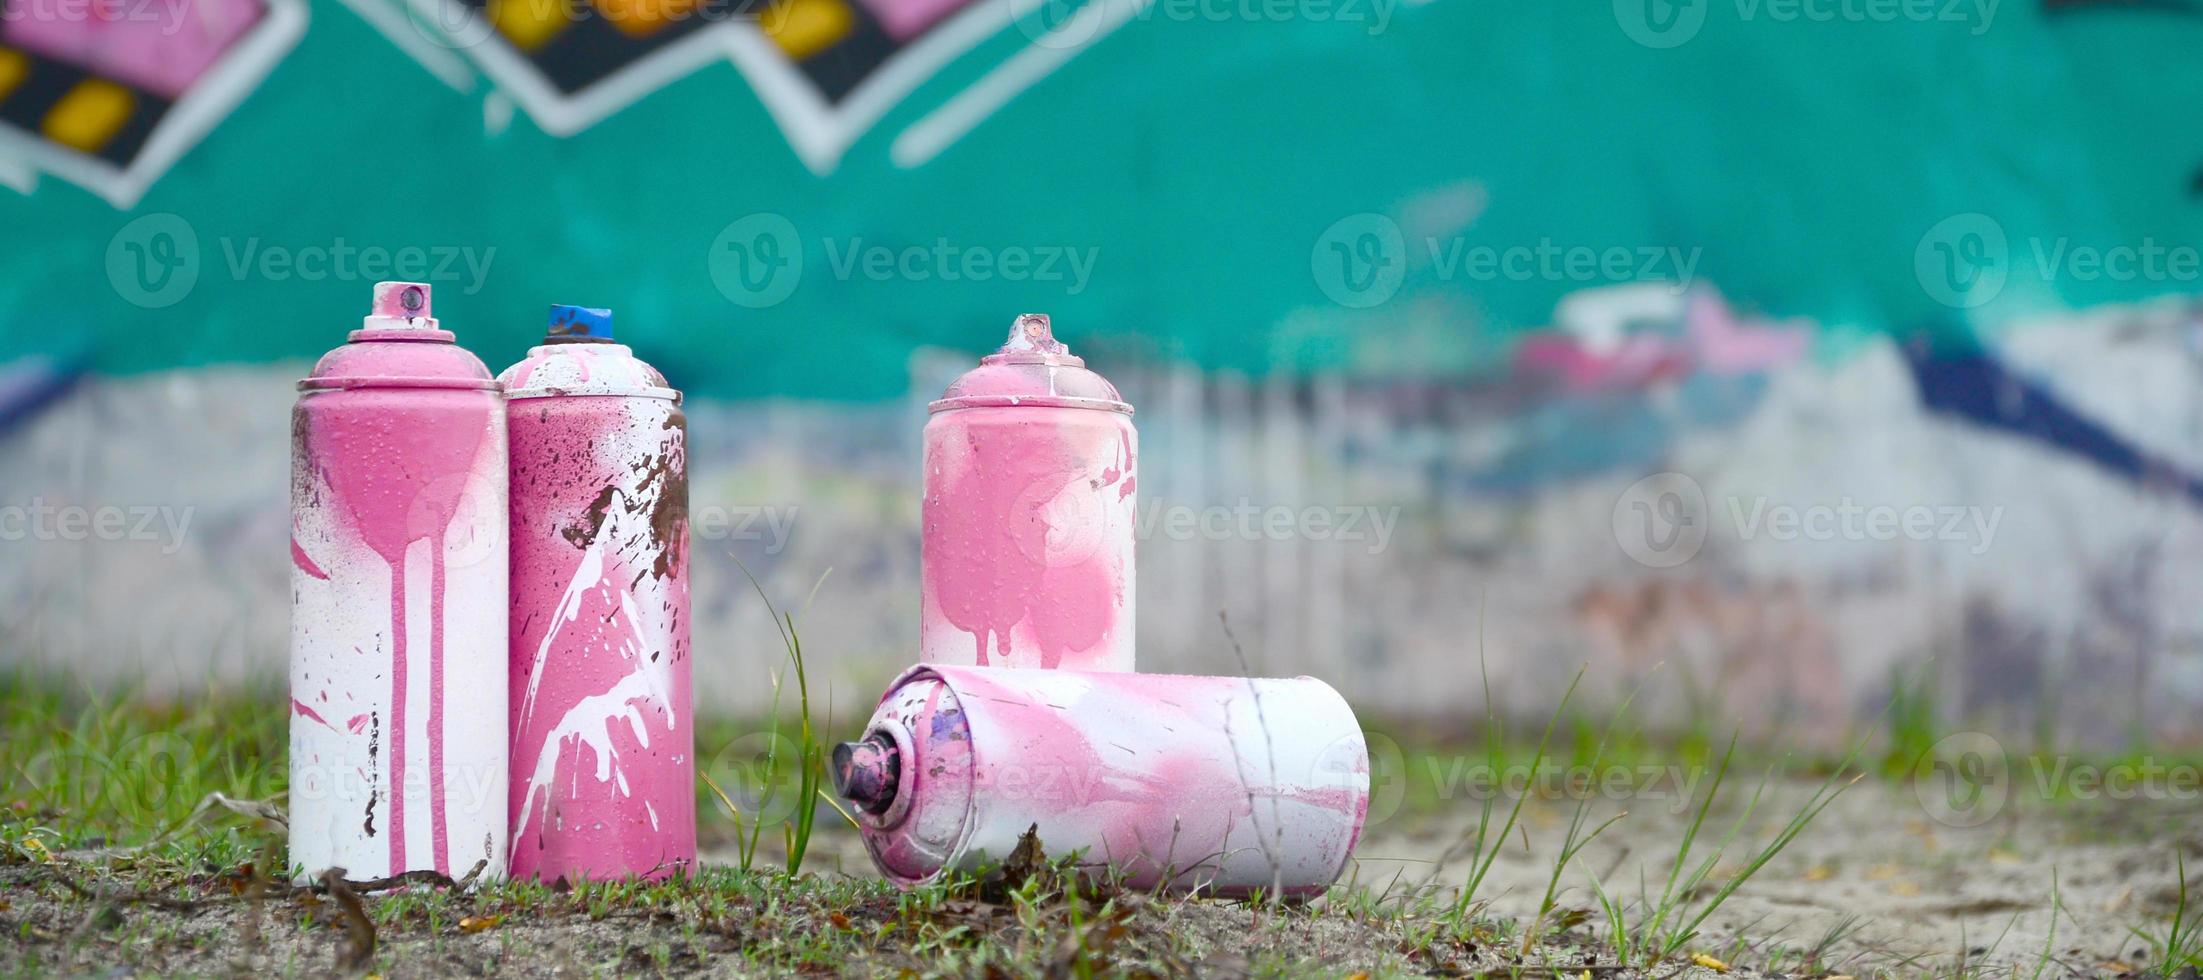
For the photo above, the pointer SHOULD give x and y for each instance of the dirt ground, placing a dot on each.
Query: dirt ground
(1897, 888)
(1877, 881)
(1877, 886)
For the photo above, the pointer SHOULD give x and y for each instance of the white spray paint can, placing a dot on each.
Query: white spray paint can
(398, 575)
(1220, 785)
(603, 731)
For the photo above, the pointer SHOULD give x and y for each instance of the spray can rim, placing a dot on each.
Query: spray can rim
(1031, 369)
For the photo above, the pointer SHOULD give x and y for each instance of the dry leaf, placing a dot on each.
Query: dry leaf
(839, 920)
(2116, 966)
(1709, 963)
(1819, 872)
(1904, 889)
(477, 923)
(1883, 872)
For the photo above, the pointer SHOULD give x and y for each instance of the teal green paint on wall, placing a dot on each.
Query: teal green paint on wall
(1200, 162)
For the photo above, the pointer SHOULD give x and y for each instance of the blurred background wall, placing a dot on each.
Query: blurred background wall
(1819, 350)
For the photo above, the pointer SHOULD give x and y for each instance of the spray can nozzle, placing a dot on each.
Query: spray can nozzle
(866, 772)
(1032, 333)
(583, 324)
(401, 306)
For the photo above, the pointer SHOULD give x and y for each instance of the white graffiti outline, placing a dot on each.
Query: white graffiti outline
(820, 132)
(208, 101)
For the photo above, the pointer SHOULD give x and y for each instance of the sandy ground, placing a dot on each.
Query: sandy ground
(1879, 884)
(1901, 891)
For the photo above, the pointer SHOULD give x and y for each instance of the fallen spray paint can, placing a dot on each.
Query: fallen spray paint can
(603, 738)
(398, 553)
(1029, 513)
(1219, 785)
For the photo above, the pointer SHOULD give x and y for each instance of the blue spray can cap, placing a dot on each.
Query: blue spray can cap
(579, 323)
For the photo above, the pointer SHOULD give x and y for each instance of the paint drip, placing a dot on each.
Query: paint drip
(398, 492)
(1029, 513)
(1218, 785)
(603, 769)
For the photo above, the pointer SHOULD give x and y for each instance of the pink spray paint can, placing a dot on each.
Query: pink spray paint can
(398, 502)
(1221, 785)
(603, 738)
(1029, 513)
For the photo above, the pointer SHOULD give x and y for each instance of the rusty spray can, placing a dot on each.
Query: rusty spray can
(398, 555)
(1029, 513)
(603, 738)
(1219, 785)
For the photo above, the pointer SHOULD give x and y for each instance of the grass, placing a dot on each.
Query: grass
(806, 765)
(2180, 944)
(137, 797)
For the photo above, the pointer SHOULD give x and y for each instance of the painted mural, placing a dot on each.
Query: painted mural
(1549, 336)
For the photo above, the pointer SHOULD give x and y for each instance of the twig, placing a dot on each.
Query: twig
(359, 944)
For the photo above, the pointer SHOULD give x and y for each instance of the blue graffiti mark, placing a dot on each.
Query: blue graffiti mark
(1974, 385)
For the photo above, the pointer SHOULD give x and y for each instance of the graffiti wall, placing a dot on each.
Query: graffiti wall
(1771, 351)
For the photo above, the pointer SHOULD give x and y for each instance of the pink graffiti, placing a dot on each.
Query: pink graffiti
(1019, 545)
(392, 498)
(603, 782)
(156, 46)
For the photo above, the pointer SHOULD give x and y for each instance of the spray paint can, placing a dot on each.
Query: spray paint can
(603, 738)
(398, 552)
(1221, 785)
(1029, 513)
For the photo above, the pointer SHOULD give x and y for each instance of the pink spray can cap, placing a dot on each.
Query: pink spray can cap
(399, 345)
(1032, 368)
(402, 311)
